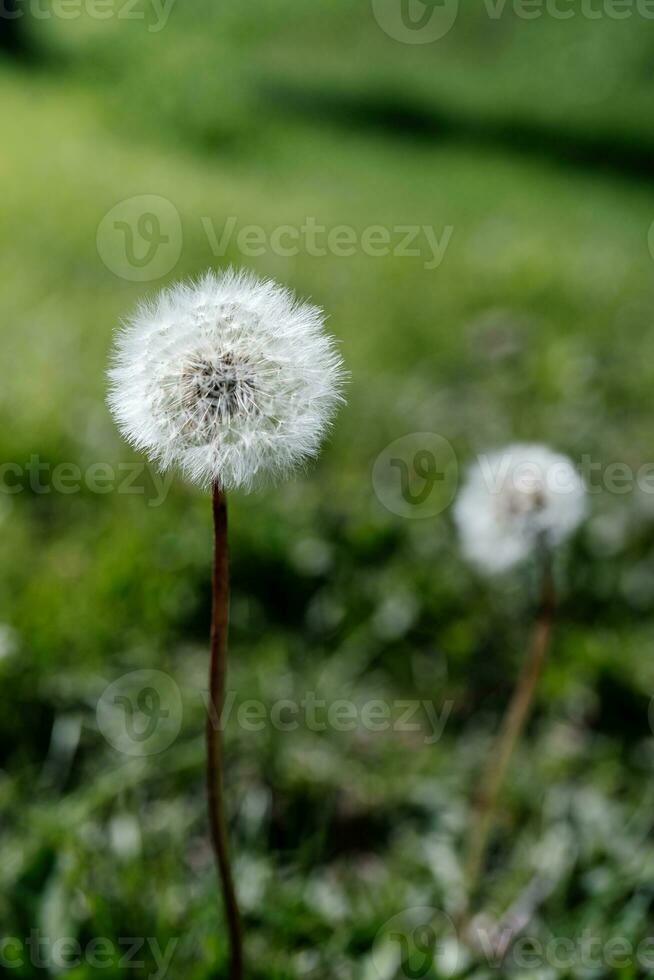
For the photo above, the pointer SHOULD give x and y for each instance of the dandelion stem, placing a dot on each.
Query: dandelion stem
(510, 731)
(215, 767)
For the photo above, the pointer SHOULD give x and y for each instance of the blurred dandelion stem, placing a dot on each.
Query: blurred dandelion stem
(215, 758)
(510, 731)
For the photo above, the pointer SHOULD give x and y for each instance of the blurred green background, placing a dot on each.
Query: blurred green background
(532, 141)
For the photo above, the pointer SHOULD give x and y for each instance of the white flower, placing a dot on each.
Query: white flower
(513, 501)
(230, 378)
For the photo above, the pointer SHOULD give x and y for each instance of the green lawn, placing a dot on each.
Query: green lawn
(535, 325)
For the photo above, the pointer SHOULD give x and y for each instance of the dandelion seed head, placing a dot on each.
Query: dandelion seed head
(230, 378)
(516, 500)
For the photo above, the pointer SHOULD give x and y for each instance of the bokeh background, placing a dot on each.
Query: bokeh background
(532, 141)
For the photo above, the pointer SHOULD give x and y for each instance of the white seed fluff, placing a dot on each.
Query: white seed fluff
(515, 500)
(230, 378)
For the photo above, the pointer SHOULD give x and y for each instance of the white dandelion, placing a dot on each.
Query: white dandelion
(233, 380)
(523, 501)
(515, 501)
(230, 378)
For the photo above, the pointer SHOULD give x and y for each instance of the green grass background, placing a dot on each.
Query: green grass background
(534, 141)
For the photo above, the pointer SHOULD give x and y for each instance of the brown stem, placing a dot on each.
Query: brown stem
(217, 673)
(511, 729)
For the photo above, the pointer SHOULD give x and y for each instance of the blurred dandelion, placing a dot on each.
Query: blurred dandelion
(234, 381)
(517, 504)
(517, 501)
